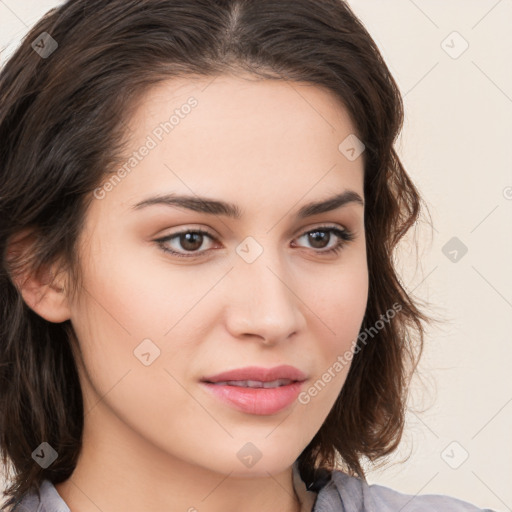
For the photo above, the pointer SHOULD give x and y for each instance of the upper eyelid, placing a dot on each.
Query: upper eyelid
(207, 232)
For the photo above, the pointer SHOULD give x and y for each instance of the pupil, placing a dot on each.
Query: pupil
(190, 245)
(323, 235)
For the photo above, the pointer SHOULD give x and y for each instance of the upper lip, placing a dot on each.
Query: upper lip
(258, 373)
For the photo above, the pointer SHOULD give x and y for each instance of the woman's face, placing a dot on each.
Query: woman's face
(258, 290)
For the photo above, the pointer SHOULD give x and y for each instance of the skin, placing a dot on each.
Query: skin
(154, 439)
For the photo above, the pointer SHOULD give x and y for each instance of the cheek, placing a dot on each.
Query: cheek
(340, 302)
(349, 299)
(340, 307)
(131, 293)
(128, 299)
(121, 317)
(111, 318)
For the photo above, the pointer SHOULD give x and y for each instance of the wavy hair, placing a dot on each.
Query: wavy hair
(62, 127)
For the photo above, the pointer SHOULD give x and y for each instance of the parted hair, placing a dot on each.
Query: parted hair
(62, 132)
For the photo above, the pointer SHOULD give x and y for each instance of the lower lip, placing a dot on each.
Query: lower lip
(256, 400)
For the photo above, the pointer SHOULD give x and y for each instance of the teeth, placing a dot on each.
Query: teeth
(255, 383)
(277, 383)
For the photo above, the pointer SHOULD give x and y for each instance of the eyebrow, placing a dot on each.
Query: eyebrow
(217, 207)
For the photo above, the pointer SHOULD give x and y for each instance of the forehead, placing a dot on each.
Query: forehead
(242, 107)
(240, 137)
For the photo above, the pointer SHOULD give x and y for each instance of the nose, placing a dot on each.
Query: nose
(263, 301)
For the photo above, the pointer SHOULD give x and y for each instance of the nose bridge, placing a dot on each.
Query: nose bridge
(265, 303)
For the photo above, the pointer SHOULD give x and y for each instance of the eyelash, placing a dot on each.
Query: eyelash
(344, 236)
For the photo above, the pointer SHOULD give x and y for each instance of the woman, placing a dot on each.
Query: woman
(200, 203)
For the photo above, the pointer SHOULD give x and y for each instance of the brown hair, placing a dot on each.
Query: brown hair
(62, 121)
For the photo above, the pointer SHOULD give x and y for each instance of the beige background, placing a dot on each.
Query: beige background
(456, 145)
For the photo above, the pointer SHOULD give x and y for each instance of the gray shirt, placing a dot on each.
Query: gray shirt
(343, 493)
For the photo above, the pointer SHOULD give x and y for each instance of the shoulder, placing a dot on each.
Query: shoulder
(351, 494)
(48, 500)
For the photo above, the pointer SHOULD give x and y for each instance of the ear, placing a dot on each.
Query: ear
(44, 291)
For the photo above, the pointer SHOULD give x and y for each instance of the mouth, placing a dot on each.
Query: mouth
(255, 384)
(255, 389)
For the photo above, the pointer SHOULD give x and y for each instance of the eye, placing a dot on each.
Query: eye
(319, 236)
(192, 239)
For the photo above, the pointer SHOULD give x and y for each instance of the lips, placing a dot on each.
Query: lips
(256, 390)
(258, 374)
